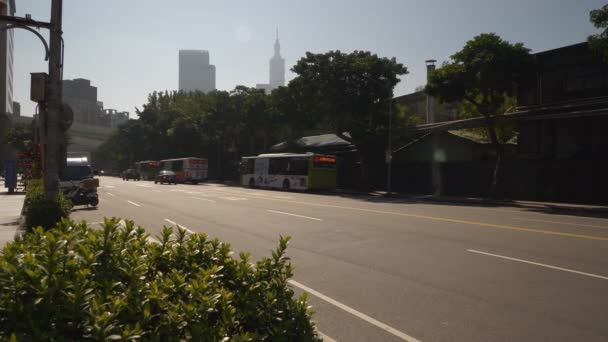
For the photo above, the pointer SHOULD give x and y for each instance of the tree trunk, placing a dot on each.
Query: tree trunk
(493, 193)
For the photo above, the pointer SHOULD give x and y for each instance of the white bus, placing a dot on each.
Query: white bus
(191, 170)
(307, 171)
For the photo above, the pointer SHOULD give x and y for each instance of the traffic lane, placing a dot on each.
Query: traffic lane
(593, 255)
(517, 218)
(320, 264)
(504, 215)
(389, 298)
(590, 258)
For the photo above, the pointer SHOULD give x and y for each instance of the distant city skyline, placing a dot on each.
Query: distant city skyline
(130, 51)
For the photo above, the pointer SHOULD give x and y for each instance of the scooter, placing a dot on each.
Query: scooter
(83, 193)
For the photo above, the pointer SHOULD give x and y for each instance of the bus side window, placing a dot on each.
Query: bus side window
(178, 165)
(298, 167)
(278, 166)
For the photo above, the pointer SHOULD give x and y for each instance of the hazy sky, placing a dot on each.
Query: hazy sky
(129, 48)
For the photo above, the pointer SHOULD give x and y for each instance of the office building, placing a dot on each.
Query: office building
(81, 96)
(7, 7)
(195, 71)
(115, 117)
(16, 108)
(277, 66)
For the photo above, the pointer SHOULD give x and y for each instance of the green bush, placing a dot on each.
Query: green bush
(40, 211)
(75, 283)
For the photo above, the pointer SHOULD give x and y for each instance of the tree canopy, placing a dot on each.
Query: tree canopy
(483, 76)
(599, 42)
(348, 92)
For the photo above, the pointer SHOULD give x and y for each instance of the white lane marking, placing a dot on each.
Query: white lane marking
(572, 224)
(109, 186)
(234, 198)
(325, 338)
(143, 185)
(539, 264)
(283, 197)
(133, 203)
(111, 194)
(203, 199)
(368, 319)
(156, 190)
(284, 213)
(179, 225)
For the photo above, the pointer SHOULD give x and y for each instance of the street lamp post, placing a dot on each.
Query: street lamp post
(389, 150)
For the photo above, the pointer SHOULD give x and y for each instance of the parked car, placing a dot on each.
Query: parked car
(130, 174)
(165, 177)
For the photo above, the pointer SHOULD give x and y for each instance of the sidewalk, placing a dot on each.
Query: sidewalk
(10, 213)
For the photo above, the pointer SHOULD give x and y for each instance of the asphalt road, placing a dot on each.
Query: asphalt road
(390, 270)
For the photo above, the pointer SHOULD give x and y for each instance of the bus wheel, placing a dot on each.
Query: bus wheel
(286, 184)
(251, 183)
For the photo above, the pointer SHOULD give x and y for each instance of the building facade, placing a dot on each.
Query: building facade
(195, 71)
(277, 66)
(116, 118)
(81, 96)
(7, 7)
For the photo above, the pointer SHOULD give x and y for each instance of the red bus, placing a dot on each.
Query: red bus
(190, 169)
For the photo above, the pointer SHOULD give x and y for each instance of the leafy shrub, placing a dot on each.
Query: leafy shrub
(40, 211)
(75, 283)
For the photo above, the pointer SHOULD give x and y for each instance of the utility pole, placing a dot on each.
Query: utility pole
(389, 149)
(53, 133)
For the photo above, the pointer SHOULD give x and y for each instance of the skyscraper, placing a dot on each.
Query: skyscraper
(195, 72)
(277, 66)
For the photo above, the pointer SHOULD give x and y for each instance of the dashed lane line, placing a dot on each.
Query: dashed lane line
(133, 203)
(203, 199)
(180, 226)
(539, 264)
(296, 215)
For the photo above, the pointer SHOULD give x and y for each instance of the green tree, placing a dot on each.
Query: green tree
(483, 74)
(347, 92)
(20, 136)
(599, 42)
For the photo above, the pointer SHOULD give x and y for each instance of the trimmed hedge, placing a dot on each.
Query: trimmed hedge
(75, 283)
(41, 212)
